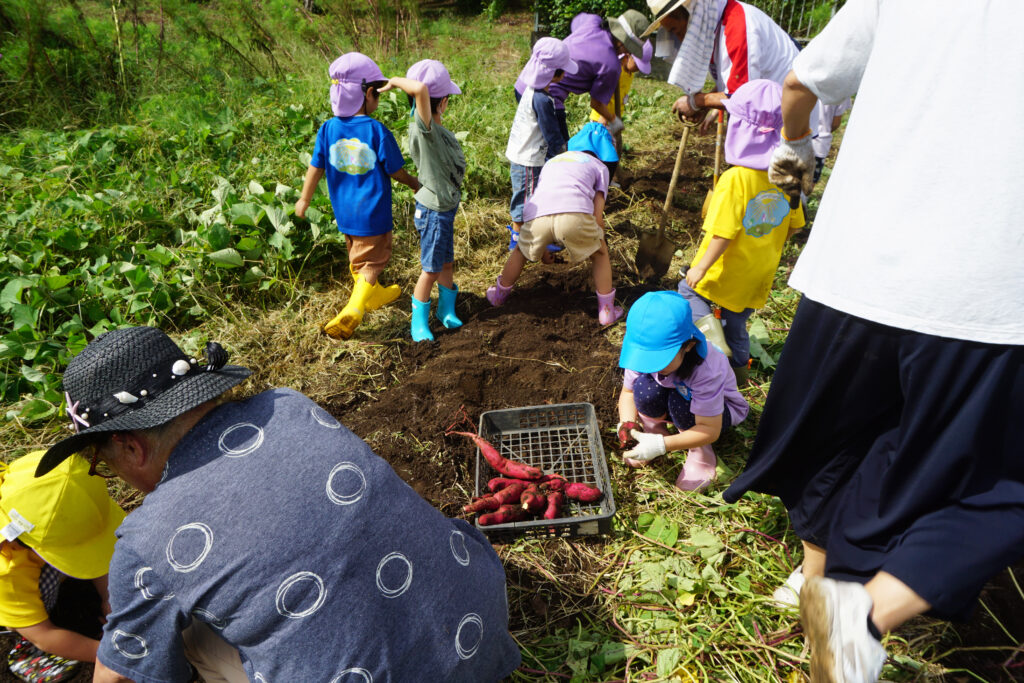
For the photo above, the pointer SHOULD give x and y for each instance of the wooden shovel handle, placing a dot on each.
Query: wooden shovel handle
(672, 183)
(718, 148)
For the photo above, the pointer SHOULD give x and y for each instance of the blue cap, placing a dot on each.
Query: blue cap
(657, 326)
(594, 137)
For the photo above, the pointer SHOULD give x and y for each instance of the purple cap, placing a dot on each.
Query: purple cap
(548, 55)
(644, 62)
(432, 73)
(755, 124)
(349, 73)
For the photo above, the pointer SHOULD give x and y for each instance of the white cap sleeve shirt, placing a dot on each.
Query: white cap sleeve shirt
(920, 226)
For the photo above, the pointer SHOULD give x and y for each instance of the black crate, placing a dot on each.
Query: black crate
(559, 439)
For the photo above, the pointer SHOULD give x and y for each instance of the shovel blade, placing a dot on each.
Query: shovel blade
(654, 256)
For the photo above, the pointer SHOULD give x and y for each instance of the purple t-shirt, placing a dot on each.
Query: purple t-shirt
(567, 184)
(711, 385)
(590, 46)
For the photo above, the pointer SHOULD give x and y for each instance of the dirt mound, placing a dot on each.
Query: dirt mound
(543, 346)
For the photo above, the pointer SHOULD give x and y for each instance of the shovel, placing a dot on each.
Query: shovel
(718, 166)
(654, 254)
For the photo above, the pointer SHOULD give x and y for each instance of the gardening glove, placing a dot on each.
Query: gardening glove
(615, 126)
(623, 429)
(792, 166)
(648, 447)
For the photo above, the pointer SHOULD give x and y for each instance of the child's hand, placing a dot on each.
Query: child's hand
(390, 85)
(695, 275)
(301, 206)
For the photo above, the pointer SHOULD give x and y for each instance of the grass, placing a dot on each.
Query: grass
(680, 591)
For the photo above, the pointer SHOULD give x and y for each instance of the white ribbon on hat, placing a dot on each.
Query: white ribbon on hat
(629, 32)
(690, 68)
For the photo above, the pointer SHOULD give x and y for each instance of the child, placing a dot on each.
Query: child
(637, 58)
(674, 375)
(536, 134)
(441, 167)
(568, 209)
(747, 224)
(60, 524)
(358, 155)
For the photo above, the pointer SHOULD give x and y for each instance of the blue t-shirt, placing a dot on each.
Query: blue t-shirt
(359, 155)
(281, 530)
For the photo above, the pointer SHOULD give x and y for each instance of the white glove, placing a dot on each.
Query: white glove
(792, 166)
(648, 447)
(616, 126)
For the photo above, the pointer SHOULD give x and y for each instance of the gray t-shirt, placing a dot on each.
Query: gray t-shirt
(284, 532)
(440, 164)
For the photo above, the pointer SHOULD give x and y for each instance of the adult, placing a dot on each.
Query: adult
(273, 544)
(735, 41)
(892, 430)
(595, 45)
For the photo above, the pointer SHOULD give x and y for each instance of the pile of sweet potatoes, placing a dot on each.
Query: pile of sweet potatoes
(524, 490)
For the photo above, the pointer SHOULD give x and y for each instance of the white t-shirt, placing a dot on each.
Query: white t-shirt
(919, 227)
(526, 144)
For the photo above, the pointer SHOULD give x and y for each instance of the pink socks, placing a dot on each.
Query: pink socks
(698, 470)
(607, 311)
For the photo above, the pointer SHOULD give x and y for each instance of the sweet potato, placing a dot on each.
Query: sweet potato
(482, 504)
(510, 494)
(553, 482)
(504, 514)
(585, 493)
(510, 468)
(498, 483)
(556, 501)
(533, 500)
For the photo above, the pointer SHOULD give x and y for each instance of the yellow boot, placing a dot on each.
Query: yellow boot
(345, 323)
(379, 296)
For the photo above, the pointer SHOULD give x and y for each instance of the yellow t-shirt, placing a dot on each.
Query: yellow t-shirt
(625, 85)
(20, 602)
(755, 216)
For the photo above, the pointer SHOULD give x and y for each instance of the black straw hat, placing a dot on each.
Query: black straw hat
(135, 378)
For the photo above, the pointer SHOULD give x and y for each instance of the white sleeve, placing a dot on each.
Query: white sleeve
(832, 64)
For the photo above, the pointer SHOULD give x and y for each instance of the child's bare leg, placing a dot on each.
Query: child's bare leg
(602, 264)
(446, 278)
(513, 268)
(424, 285)
(814, 560)
(894, 602)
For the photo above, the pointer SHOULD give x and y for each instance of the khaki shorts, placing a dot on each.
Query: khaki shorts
(367, 255)
(579, 233)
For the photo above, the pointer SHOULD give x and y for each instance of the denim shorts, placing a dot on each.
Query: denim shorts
(524, 182)
(437, 237)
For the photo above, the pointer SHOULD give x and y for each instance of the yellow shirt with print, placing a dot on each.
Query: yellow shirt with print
(755, 216)
(20, 602)
(625, 85)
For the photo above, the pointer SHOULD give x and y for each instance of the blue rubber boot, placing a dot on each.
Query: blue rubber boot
(446, 306)
(420, 321)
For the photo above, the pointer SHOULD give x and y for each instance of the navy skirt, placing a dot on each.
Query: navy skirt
(896, 451)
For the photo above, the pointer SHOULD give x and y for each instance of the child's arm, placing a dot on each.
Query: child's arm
(627, 406)
(404, 177)
(705, 431)
(313, 176)
(792, 231)
(100, 582)
(599, 209)
(48, 637)
(419, 93)
(102, 674)
(714, 252)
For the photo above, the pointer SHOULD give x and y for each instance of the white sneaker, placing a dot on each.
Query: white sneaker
(788, 594)
(834, 615)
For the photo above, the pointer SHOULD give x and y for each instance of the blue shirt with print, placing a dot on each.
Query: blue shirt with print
(359, 154)
(283, 532)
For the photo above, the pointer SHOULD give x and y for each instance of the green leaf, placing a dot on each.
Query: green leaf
(278, 218)
(218, 236)
(255, 188)
(226, 258)
(644, 521)
(32, 375)
(37, 409)
(668, 661)
(23, 316)
(11, 293)
(245, 213)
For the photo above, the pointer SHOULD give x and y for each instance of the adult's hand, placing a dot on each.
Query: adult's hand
(684, 108)
(792, 166)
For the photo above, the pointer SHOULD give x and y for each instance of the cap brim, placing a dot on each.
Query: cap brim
(87, 558)
(644, 67)
(192, 391)
(570, 67)
(655, 25)
(633, 357)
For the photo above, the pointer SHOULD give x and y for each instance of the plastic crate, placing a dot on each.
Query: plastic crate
(559, 439)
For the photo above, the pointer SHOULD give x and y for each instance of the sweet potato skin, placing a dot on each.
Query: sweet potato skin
(501, 464)
(504, 515)
(555, 503)
(585, 493)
